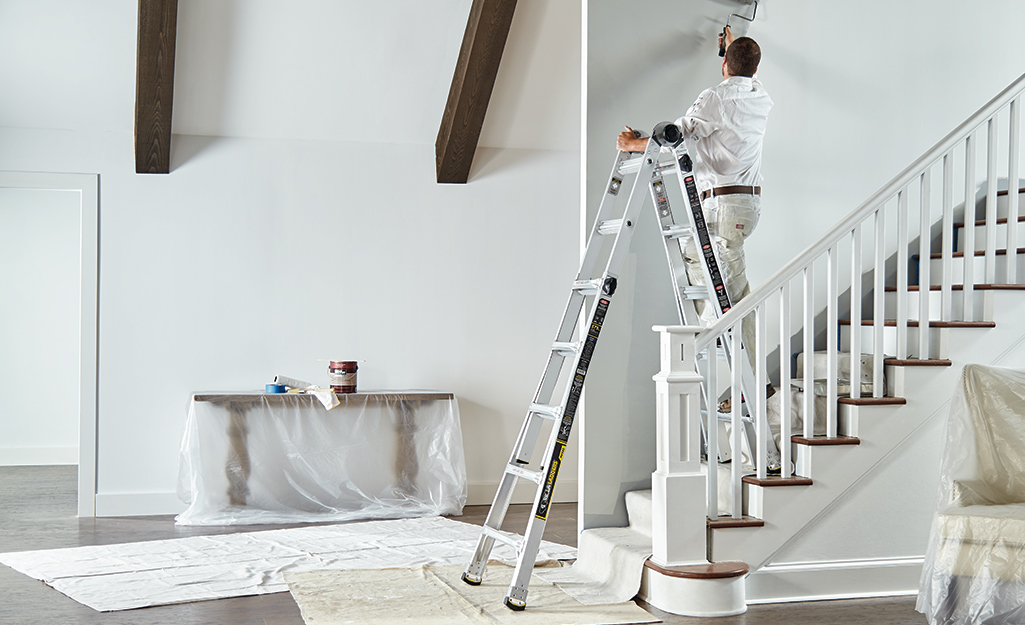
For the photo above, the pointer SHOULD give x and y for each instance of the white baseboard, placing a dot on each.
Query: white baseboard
(138, 504)
(143, 504)
(35, 456)
(483, 493)
(817, 581)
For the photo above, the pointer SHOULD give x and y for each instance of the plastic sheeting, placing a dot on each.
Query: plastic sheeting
(974, 571)
(254, 458)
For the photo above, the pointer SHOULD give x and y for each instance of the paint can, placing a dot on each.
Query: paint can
(343, 375)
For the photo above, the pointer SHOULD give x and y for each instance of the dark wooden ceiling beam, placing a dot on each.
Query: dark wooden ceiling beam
(479, 57)
(154, 85)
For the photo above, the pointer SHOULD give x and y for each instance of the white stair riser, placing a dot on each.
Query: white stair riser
(980, 236)
(978, 270)
(980, 206)
(982, 305)
(938, 341)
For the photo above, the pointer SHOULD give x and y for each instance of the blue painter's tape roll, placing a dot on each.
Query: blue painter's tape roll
(275, 388)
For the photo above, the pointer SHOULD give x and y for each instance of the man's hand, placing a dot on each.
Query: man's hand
(729, 38)
(627, 141)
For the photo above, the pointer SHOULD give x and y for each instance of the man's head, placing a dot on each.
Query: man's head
(742, 57)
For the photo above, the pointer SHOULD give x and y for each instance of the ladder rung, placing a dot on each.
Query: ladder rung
(694, 291)
(610, 226)
(677, 231)
(505, 538)
(527, 474)
(545, 411)
(566, 348)
(632, 164)
(587, 287)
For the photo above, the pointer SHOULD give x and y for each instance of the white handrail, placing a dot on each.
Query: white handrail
(900, 182)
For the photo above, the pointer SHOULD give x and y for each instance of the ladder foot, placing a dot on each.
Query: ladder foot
(515, 605)
(469, 580)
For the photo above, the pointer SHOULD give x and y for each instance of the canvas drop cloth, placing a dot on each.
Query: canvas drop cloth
(437, 596)
(136, 575)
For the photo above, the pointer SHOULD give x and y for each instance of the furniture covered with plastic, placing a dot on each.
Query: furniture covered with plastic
(974, 570)
(285, 458)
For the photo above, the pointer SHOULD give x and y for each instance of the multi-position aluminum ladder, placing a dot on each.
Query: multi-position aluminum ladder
(650, 169)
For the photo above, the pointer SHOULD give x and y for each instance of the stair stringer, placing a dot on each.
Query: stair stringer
(789, 512)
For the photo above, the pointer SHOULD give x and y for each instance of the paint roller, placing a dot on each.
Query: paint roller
(722, 35)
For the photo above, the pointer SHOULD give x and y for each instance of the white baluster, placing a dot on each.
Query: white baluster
(968, 238)
(712, 431)
(924, 264)
(855, 346)
(991, 203)
(738, 428)
(1012, 192)
(759, 415)
(784, 377)
(809, 351)
(879, 302)
(832, 370)
(902, 274)
(947, 236)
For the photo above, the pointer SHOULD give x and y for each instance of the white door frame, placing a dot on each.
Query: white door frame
(88, 186)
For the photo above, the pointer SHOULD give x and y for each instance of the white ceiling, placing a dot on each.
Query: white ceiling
(334, 70)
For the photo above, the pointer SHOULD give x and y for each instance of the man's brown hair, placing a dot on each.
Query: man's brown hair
(743, 56)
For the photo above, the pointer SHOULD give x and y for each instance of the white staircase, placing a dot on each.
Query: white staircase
(872, 272)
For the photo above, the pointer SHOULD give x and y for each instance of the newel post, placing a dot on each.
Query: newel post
(678, 485)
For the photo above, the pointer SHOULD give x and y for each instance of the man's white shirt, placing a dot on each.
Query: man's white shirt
(724, 130)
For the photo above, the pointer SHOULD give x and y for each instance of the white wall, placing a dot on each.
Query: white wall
(39, 317)
(860, 90)
(317, 230)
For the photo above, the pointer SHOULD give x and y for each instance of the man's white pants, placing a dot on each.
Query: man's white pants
(731, 219)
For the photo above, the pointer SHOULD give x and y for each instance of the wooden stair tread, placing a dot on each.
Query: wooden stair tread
(938, 255)
(917, 362)
(725, 522)
(873, 401)
(776, 480)
(826, 440)
(960, 287)
(982, 222)
(913, 323)
(712, 570)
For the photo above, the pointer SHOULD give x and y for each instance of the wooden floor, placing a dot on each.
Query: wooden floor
(37, 511)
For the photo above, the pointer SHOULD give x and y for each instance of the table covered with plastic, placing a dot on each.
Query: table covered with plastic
(974, 570)
(252, 458)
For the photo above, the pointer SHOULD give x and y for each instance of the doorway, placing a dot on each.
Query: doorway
(49, 254)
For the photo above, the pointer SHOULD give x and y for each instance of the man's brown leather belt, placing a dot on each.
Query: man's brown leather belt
(731, 190)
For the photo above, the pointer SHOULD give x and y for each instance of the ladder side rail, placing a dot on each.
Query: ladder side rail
(879, 302)
(991, 201)
(516, 598)
(1013, 156)
(714, 281)
(968, 238)
(947, 234)
(575, 306)
(925, 262)
(855, 343)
